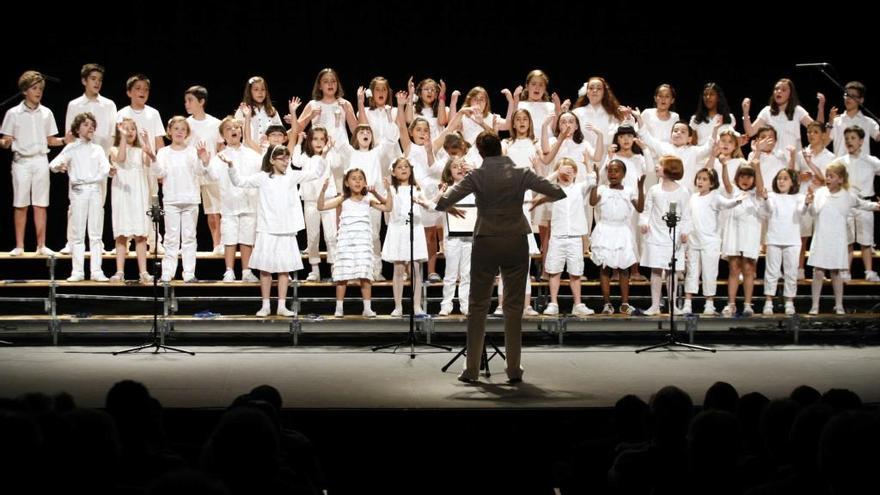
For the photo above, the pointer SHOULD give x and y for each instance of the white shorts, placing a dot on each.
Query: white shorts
(860, 227)
(565, 252)
(211, 198)
(238, 229)
(30, 182)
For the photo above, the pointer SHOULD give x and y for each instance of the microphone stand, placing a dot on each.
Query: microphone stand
(155, 212)
(411, 339)
(835, 82)
(671, 221)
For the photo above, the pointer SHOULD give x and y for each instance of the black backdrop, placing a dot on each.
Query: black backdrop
(743, 47)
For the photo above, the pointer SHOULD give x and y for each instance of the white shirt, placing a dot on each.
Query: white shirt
(784, 224)
(260, 121)
(280, 211)
(383, 130)
(569, 216)
(788, 132)
(660, 129)
(375, 163)
(538, 110)
(470, 129)
(635, 168)
(657, 202)
(521, 151)
(332, 118)
(30, 128)
(311, 165)
(235, 200)
(147, 119)
(704, 215)
(87, 164)
(181, 170)
(693, 157)
(821, 161)
(599, 118)
(104, 111)
(841, 122)
(704, 129)
(861, 174)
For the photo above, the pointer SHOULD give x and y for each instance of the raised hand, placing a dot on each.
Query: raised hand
(245, 110)
(555, 99)
(360, 95)
(517, 93)
(401, 98)
(746, 106)
(833, 114)
(507, 94)
(442, 94)
(202, 152)
(410, 87)
(565, 105)
(293, 104)
(386, 182)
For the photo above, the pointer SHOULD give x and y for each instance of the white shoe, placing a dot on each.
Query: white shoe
(687, 308)
(789, 308)
(607, 309)
(768, 308)
(264, 312)
(499, 311)
(76, 277)
(434, 278)
(582, 310)
(229, 276)
(838, 310)
(748, 310)
(397, 312)
(845, 275)
(814, 311)
(283, 311)
(146, 278)
(626, 309)
(677, 311)
(48, 252)
(728, 310)
(339, 313)
(871, 276)
(313, 277)
(118, 277)
(709, 309)
(99, 277)
(652, 311)
(445, 310)
(65, 249)
(801, 274)
(16, 252)
(248, 276)
(368, 313)
(218, 250)
(189, 279)
(528, 311)
(552, 309)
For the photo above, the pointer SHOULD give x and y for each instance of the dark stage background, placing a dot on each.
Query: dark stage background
(743, 47)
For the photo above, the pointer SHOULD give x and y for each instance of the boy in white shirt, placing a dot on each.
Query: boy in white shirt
(565, 250)
(860, 224)
(206, 128)
(853, 98)
(29, 129)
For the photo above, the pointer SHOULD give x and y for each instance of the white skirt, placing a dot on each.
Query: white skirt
(276, 253)
(396, 247)
(612, 245)
(354, 250)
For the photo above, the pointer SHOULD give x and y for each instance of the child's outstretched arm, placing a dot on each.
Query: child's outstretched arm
(331, 204)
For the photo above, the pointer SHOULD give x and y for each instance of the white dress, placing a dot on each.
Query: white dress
(828, 248)
(354, 242)
(396, 246)
(130, 196)
(658, 242)
(742, 232)
(612, 242)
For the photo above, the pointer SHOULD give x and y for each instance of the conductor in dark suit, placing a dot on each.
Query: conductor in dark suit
(499, 243)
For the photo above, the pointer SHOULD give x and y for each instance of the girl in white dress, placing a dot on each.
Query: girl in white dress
(537, 100)
(279, 218)
(397, 242)
(658, 241)
(782, 113)
(262, 113)
(428, 100)
(815, 155)
(831, 205)
(597, 106)
(354, 252)
(712, 102)
(658, 121)
(129, 196)
(742, 237)
(612, 240)
(329, 108)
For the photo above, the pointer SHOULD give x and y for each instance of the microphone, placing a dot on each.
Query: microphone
(155, 211)
(815, 64)
(672, 207)
(154, 201)
(671, 218)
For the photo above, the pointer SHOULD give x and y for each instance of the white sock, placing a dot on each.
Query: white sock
(315, 269)
(282, 302)
(339, 305)
(366, 305)
(266, 303)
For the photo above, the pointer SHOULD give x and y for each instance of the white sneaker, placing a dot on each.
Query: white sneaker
(219, 250)
(99, 277)
(397, 312)
(313, 277)
(118, 277)
(264, 312)
(607, 309)
(499, 311)
(582, 310)
(65, 249)
(687, 308)
(838, 310)
(789, 308)
(801, 274)
(76, 277)
(445, 310)
(189, 279)
(814, 311)
(48, 252)
(248, 276)
(845, 275)
(768, 308)
(748, 310)
(871, 276)
(229, 276)
(677, 311)
(368, 313)
(729, 310)
(652, 311)
(552, 309)
(146, 278)
(16, 252)
(626, 309)
(434, 278)
(709, 309)
(530, 311)
(283, 311)
(339, 313)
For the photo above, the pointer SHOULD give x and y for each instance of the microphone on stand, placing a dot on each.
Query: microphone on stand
(155, 210)
(814, 64)
(671, 218)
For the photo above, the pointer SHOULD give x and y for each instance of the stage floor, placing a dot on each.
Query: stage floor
(353, 377)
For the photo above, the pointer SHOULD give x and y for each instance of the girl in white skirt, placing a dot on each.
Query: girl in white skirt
(130, 196)
(741, 241)
(831, 205)
(354, 241)
(397, 248)
(612, 240)
(279, 218)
